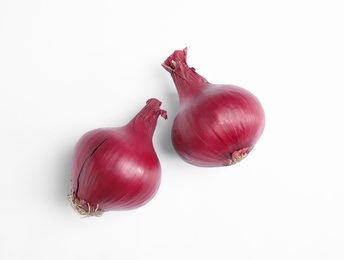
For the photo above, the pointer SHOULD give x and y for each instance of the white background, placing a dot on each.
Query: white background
(70, 66)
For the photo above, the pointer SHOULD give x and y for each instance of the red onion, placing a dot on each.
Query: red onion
(216, 124)
(117, 168)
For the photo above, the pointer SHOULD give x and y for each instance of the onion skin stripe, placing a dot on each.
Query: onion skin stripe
(84, 164)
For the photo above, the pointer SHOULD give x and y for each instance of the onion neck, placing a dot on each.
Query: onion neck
(144, 123)
(188, 82)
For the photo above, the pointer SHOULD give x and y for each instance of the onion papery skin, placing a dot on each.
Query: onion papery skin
(216, 124)
(117, 168)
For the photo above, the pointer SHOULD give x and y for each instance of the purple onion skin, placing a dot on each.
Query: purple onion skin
(117, 168)
(216, 124)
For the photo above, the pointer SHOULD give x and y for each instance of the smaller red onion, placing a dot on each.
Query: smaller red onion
(117, 168)
(216, 124)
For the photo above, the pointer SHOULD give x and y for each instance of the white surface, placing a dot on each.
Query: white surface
(67, 67)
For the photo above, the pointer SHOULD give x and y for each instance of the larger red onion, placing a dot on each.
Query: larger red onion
(216, 124)
(117, 168)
